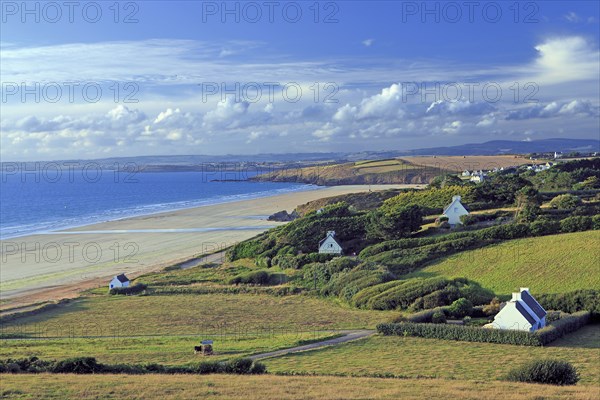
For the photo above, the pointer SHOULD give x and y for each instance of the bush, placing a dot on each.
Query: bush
(553, 372)
(461, 308)
(544, 227)
(596, 222)
(438, 317)
(493, 308)
(565, 202)
(135, 289)
(575, 224)
(260, 277)
(78, 365)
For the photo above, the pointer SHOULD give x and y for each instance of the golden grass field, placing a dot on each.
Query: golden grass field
(460, 163)
(268, 387)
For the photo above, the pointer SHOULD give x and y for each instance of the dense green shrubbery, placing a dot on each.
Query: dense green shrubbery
(135, 289)
(459, 332)
(575, 224)
(541, 337)
(551, 372)
(565, 202)
(461, 308)
(563, 326)
(418, 294)
(89, 365)
(286, 261)
(432, 198)
(544, 227)
(396, 222)
(260, 277)
(425, 315)
(572, 302)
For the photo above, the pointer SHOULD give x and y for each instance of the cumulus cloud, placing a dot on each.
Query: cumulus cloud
(582, 108)
(460, 107)
(368, 42)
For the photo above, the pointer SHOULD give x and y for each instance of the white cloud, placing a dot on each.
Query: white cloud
(572, 17)
(368, 42)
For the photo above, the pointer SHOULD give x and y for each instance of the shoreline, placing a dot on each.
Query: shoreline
(46, 267)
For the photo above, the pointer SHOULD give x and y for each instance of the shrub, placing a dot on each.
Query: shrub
(438, 317)
(596, 222)
(572, 302)
(135, 289)
(260, 277)
(239, 366)
(424, 316)
(544, 227)
(78, 365)
(553, 372)
(493, 308)
(575, 224)
(565, 202)
(461, 308)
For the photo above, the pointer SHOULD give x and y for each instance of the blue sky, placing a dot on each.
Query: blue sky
(357, 75)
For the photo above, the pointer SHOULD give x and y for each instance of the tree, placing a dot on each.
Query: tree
(565, 202)
(394, 223)
(501, 188)
(445, 180)
(527, 201)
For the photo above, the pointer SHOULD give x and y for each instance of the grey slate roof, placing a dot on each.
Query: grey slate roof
(525, 313)
(533, 304)
(122, 278)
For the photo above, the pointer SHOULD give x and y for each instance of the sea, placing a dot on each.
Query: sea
(39, 202)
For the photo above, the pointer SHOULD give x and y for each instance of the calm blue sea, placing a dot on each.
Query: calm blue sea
(45, 202)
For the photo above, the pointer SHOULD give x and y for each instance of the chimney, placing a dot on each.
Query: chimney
(456, 198)
(524, 289)
(516, 296)
(331, 233)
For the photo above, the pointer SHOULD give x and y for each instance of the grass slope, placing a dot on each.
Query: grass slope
(191, 314)
(265, 387)
(418, 357)
(549, 264)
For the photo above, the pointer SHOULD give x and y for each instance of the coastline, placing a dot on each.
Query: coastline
(61, 264)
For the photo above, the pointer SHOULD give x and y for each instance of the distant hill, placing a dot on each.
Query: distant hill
(496, 147)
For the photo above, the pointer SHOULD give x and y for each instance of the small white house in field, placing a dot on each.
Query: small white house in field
(466, 173)
(477, 178)
(454, 211)
(119, 281)
(521, 313)
(329, 245)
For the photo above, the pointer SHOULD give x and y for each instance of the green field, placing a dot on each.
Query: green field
(185, 314)
(165, 350)
(267, 387)
(418, 357)
(548, 264)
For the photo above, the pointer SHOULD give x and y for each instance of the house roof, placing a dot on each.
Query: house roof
(327, 237)
(122, 278)
(525, 313)
(533, 304)
(454, 200)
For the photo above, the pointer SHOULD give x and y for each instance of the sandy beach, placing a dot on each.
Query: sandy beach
(60, 264)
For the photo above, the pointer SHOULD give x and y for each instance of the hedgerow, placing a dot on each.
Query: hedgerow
(135, 289)
(89, 365)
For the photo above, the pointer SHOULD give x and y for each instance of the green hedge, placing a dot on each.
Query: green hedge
(541, 337)
(551, 372)
(260, 277)
(571, 302)
(135, 289)
(89, 365)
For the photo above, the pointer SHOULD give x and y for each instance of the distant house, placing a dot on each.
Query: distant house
(454, 211)
(557, 155)
(521, 313)
(466, 173)
(477, 178)
(329, 245)
(119, 281)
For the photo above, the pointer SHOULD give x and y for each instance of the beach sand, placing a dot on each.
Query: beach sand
(47, 267)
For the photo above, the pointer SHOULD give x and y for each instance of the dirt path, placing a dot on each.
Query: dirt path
(348, 336)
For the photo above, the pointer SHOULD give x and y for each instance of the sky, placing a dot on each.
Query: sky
(97, 79)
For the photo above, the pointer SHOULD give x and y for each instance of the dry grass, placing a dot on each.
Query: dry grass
(267, 387)
(418, 357)
(460, 163)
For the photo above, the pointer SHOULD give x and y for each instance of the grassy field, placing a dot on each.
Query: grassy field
(460, 163)
(549, 264)
(158, 349)
(266, 387)
(418, 357)
(105, 315)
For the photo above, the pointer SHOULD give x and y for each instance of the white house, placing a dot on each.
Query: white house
(454, 211)
(522, 313)
(466, 173)
(119, 281)
(329, 245)
(477, 178)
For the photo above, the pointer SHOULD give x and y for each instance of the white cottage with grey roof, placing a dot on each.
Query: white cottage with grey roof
(454, 211)
(329, 245)
(522, 313)
(119, 281)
